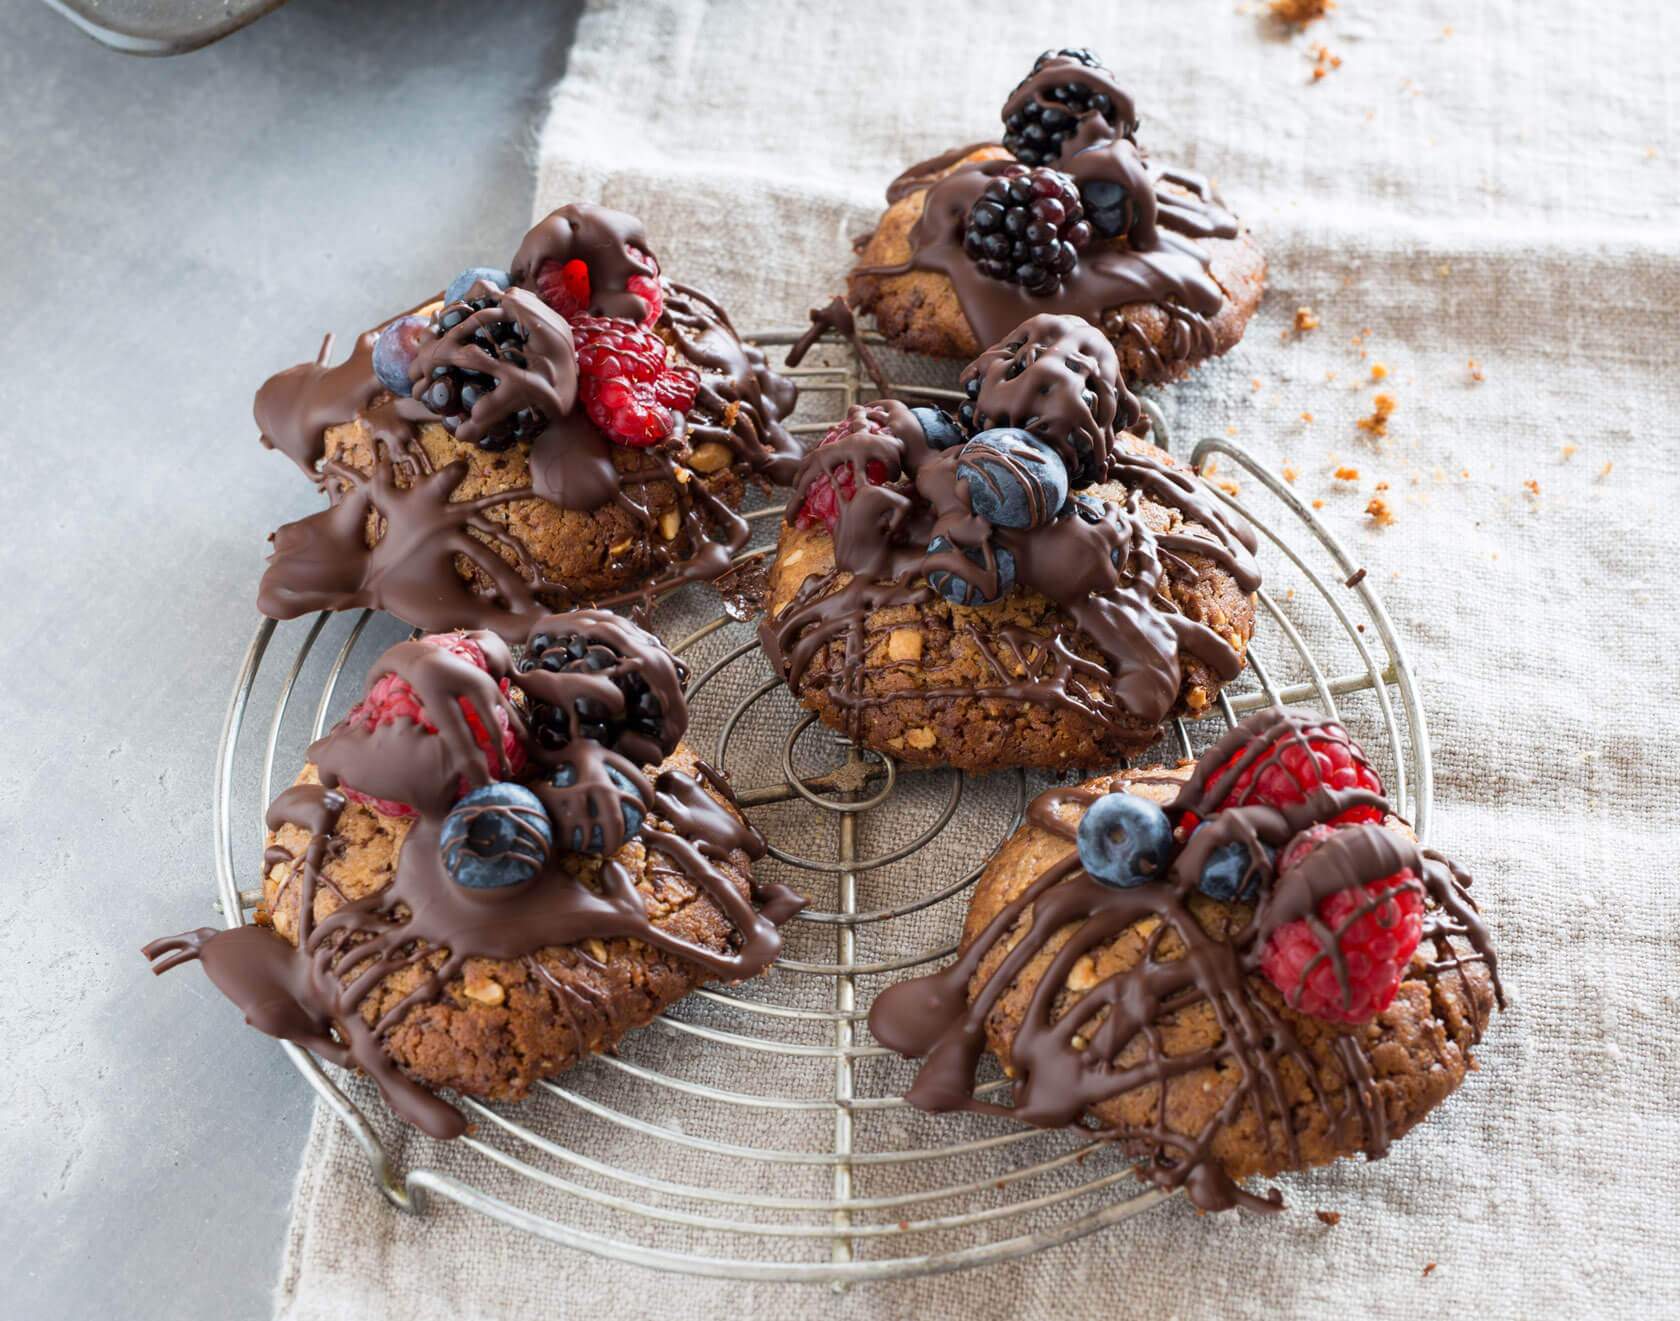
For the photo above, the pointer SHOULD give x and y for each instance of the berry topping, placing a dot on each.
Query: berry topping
(1093, 510)
(627, 383)
(939, 427)
(1014, 478)
(1125, 840)
(1034, 134)
(1107, 207)
(565, 286)
(462, 284)
(1375, 927)
(820, 503)
(496, 837)
(395, 349)
(1294, 768)
(590, 716)
(452, 392)
(629, 799)
(392, 698)
(1230, 873)
(1027, 228)
(960, 590)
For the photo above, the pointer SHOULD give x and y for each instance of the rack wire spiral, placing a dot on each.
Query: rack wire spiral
(756, 1131)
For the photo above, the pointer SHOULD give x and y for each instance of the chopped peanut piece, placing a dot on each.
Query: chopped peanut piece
(709, 456)
(904, 644)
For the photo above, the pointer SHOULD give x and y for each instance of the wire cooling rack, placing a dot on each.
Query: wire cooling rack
(757, 1131)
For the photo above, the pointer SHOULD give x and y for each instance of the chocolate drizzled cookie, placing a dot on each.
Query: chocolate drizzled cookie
(575, 430)
(1030, 583)
(1070, 215)
(1269, 974)
(450, 902)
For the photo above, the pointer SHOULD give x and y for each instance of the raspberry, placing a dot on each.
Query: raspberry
(565, 286)
(820, 504)
(1332, 763)
(1377, 926)
(391, 698)
(1027, 228)
(626, 381)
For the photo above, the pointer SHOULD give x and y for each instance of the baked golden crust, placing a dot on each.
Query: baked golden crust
(918, 312)
(1418, 1048)
(505, 1023)
(592, 553)
(914, 656)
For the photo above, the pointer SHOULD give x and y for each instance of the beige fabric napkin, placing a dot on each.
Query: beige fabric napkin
(1480, 199)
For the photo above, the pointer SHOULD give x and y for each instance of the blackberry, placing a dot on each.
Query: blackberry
(590, 717)
(452, 391)
(1034, 134)
(1027, 228)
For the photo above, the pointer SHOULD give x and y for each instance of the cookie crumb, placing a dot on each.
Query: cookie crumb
(1290, 473)
(1428, 1266)
(1323, 61)
(1605, 470)
(1346, 474)
(1379, 371)
(1377, 424)
(1329, 1217)
(1378, 509)
(1475, 370)
(1382, 486)
(1210, 465)
(1305, 319)
(1299, 13)
(1569, 451)
(1318, 504)
(1306, 417)
(1532, 486)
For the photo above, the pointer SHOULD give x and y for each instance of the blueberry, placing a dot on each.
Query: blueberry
(1092, 510)
(1125, 840)
(462, 284)
(1014, 478)
(958, 590)
(395, 349)
(496, 837)
(630, 805)
(939, 427)
(1229, 874)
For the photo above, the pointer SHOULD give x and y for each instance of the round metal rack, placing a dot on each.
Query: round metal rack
(757, 1131)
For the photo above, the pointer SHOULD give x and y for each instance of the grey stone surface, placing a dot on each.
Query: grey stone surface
(174, 231)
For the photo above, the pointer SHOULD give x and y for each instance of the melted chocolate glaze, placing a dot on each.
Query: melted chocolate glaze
(313, 992)
(1064, 1065)
(325, 562)
(1155, 261)
(1059, 378)
(547, 383)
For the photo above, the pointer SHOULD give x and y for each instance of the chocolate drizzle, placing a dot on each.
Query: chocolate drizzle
(1156, 260)
(1074, 1051)
(1104, 566)
(317, 991)
(397, 538)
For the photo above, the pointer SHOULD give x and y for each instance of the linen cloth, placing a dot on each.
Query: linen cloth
(1490, 182)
